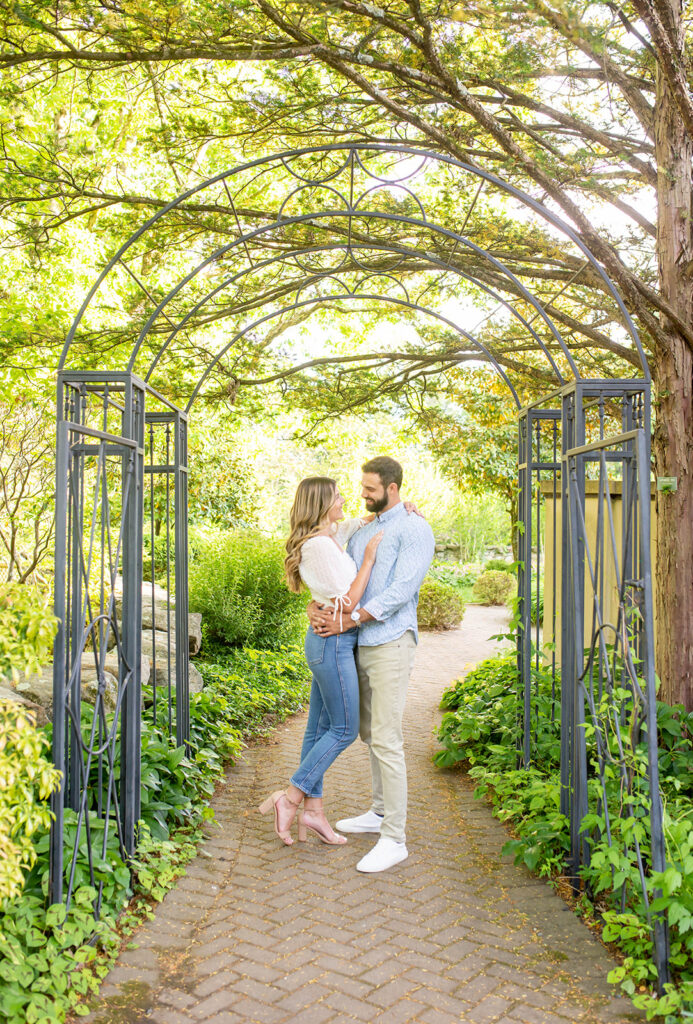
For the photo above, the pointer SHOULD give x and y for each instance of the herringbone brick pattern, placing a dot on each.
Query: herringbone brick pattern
(258, 933)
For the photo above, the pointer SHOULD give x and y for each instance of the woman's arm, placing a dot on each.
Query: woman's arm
(327, 617)
(355, 591)
(348, 527)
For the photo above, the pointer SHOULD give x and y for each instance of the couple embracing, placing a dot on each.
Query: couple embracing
(360, 648)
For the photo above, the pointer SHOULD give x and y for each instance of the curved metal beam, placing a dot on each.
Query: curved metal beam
(389, 217)
(356, 149)
(400, 250)
(348, 295)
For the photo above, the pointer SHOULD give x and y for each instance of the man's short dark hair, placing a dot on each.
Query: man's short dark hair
(389, 470)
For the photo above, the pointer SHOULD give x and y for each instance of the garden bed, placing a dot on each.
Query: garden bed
(480, 731)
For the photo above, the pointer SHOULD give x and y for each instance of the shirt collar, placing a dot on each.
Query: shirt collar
(384, 517)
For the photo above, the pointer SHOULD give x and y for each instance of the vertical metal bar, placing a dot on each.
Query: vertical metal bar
(130, 665)
(74, 738)
(661, 935)
(168, 578)
(526, 599)
(629, 527)
(567, 612)
(522, 638)
(152, 532)
(59, 654)
(70, 415)
(536, 488)
(103, 627)
(181, 569)
(600, 565)
(579, 737)
(579, 765)
(554, 575)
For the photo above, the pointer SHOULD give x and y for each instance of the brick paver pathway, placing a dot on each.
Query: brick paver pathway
(258, 932)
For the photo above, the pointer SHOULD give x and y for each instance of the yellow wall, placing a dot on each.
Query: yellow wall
(609, 602)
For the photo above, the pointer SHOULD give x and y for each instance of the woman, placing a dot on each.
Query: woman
(316, 559)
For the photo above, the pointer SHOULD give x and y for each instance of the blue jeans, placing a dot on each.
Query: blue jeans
(333, 717)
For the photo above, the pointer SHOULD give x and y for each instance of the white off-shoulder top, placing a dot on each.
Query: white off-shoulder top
(326, 569)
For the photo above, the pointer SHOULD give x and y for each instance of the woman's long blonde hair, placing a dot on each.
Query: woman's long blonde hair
(314, 498)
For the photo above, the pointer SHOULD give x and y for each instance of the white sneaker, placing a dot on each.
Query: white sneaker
(385, 854)
(368, 822)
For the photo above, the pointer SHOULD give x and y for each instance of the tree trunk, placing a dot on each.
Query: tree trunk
(673, 574)
(673, 368)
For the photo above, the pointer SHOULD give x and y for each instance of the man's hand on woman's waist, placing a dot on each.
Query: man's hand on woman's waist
(325, 623)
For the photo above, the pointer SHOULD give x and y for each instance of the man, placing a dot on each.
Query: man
(387, 640)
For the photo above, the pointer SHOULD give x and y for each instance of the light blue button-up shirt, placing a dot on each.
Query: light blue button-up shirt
(403, 557)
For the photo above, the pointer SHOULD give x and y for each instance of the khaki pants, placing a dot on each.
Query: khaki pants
(384, 673)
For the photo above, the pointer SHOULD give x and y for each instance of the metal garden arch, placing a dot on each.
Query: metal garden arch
(296, 231)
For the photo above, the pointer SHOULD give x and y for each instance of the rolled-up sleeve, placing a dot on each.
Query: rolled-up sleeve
(412, 565)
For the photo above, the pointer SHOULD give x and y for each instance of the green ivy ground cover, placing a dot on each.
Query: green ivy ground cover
(50, 958)
(480, 729)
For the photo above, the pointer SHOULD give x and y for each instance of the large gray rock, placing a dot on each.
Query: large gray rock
(160, 593)
(195, 680)
(158, 642)
(160, 663)
(195, 631)
(161, 669)
(40, 714)
(111, 665)
(157, 649)
(109, 686)
(162, 615)
(158, 613)
(38, 687)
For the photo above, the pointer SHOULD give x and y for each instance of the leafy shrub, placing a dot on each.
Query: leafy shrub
(536, 612)
(41, 949)
(440, 606)
(479, 522)
(160, 559)
(173, 784)
(499, 565)
(50, 956)
(27, 778)
(493, 587)
(49, 959)
(461, 577)
(482, 717)
(250, 685)
(27, 628)
(241, 691)
(481, 727)
(237, 582)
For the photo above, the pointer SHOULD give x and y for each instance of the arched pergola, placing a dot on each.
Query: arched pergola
(292, 233)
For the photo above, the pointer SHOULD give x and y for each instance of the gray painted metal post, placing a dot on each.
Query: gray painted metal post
(578, 808)
(130, 667)
(567, 633)
(76, 464)
(59, 653)
(526, 593)
(661, 931)
(520, 639)
(181, 570)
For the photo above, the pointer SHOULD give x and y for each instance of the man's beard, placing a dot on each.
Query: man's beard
(376, 504)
